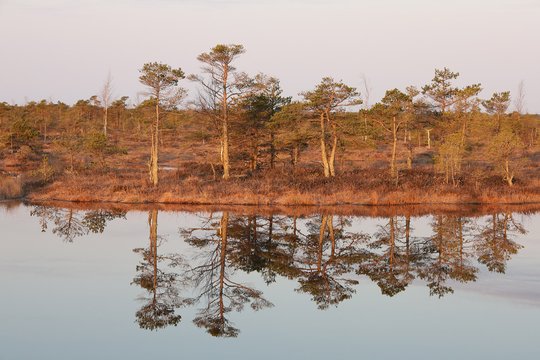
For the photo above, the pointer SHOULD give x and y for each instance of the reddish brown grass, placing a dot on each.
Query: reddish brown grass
(281, 187)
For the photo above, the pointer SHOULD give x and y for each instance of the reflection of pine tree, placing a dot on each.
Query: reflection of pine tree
(494, 244)
(447, 256)
(70, 224)
(253, 244)
(161, 286)
(213, 279)
(436, 271)
(328, 256)
(462, 250)
(389, 264)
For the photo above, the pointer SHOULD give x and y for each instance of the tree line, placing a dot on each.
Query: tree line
(238, 124)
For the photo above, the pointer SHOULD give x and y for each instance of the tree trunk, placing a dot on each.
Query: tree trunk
(392, 245)
(322, 231)
(105, 119)
(223, 233)
(326, 166)
(152, 221)
(394, 146)
(254, 156)
(294, 155)
(272, 150)
(330, 222)
(225, 132)
(509, 177)
(463, 131)
(409, 157)
(154, 149)
(332, 159)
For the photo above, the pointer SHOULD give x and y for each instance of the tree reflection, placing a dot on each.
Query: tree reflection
(495, 246)
(161, 285)
(328, 256)
(325, 255)
(213, 279)
(69, 224)
(389, 262)
(447, 256)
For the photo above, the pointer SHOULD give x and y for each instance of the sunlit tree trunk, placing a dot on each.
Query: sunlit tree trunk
(294, 155)
(332, 159)
(326, 166)
(272, 150)
(154, 148)
(225, 132)
(394, 147)
(509, 177)
(409, 156)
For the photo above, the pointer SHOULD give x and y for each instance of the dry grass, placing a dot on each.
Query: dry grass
(284, 188)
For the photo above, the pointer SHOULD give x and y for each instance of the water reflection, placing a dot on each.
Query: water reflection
(156, 274)
(326, 255)
(69, 224)
(219, 241)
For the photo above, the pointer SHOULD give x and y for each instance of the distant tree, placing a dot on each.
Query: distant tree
(391, 114)
(119, 109)
(497, 105)
(95, 143)
(466, 106)
(23, 132)
(43, 109)
(259, 104)
(440, 90)
(451, 153)
(106, 99)
(502, 149)
(328, 97)
(222, 87)
(291, 127)
(519, 101)
(162, 83)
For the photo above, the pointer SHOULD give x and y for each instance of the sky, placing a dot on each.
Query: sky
(64, 49)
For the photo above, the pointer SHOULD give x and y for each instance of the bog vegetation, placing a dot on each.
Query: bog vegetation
(240, 139)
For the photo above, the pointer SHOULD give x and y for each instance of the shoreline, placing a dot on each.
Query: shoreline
(343, 208)
(301, 210)
(417, 189)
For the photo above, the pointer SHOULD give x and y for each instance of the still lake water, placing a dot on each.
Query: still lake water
(102, 284)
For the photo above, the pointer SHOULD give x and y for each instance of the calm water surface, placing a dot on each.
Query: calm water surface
(102, 284)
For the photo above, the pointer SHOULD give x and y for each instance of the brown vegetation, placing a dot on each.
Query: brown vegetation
(284, 188)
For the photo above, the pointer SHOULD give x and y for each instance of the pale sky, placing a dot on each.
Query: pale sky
(63, 49)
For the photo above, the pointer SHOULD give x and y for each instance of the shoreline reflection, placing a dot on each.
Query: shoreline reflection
(325, 255)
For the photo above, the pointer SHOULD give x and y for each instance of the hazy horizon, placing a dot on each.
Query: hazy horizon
(62, 50)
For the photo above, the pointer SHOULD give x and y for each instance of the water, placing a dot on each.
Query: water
(111, 284)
